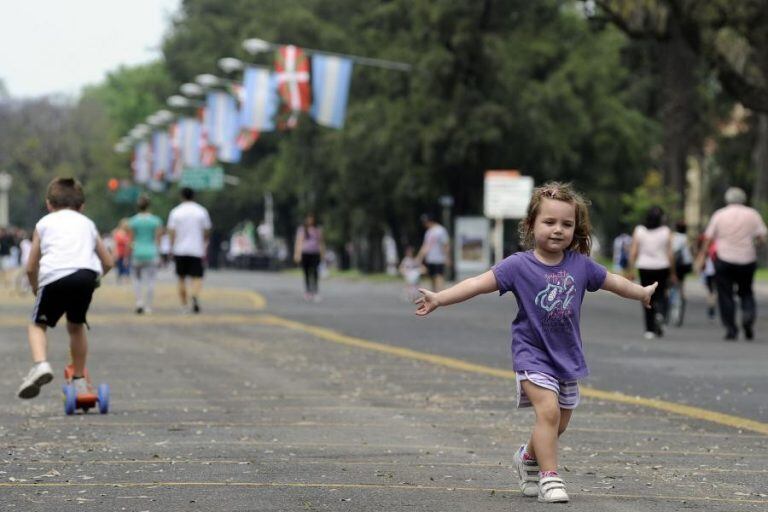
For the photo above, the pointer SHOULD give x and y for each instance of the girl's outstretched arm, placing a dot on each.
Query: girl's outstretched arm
(629, 290)
(468, 288)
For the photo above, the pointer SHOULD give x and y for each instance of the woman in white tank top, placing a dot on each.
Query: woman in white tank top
(651, 254)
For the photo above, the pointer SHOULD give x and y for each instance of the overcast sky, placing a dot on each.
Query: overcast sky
(58, 46)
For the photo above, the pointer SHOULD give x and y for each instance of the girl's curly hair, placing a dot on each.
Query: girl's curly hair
(582, 240)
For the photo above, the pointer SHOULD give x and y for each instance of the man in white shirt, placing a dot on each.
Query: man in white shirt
(435, 251)
(189, 228)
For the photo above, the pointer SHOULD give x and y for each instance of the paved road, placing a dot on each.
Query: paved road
(263, 409)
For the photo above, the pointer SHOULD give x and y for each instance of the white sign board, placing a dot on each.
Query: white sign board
(471, 247)
(507, 194)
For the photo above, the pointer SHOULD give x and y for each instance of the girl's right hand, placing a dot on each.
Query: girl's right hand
(648, 293)
(427, 303)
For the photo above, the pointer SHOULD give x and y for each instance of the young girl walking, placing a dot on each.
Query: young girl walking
(549, 282)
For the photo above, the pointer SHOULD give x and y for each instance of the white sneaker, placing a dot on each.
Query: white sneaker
(527, 474)
(649, 335)
(552, 490)
(39, 375)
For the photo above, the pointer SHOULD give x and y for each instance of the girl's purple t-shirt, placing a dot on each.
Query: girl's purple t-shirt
(545, 334)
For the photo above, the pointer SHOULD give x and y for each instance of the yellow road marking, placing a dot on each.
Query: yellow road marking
(310, 485)
(457, 364)
(258, 302)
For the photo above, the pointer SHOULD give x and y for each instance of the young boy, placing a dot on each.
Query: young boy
(65, 260)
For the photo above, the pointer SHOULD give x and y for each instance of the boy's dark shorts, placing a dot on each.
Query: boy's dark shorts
(71, 295)
(435, 269)
(191, 266)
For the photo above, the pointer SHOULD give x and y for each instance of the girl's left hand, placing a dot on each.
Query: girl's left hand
(427, 303)
(647, 293)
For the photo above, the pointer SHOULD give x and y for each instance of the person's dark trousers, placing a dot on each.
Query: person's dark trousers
(310, 262)
(726, 276)
(658, 299)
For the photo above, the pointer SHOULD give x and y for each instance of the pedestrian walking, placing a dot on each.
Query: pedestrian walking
(708, 278)
(189, 229)
(683, 261)
(621, 246)
(145, 229)
(549, 282)
(121, 238)
(309, 251)
(651, 254)
(21, 280)
(411, 270)
(435, 251)
(7, 265)
(65, 261)
(736, 229)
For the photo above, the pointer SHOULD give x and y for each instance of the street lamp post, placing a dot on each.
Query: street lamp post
(5, 185)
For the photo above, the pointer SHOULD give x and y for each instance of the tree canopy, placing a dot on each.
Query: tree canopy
(597, 98)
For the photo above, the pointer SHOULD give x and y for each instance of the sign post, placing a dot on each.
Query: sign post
(506, 196)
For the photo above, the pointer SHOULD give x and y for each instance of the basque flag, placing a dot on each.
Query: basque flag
(331, 77)
(292, 69)
(260, 100)
(142, 162)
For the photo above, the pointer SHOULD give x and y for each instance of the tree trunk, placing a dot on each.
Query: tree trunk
(678, 109)
(760, 163)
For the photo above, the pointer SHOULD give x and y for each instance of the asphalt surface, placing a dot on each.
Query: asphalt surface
(353, 404)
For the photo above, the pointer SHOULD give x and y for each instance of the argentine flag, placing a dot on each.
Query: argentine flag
(331, 76)
(221, 112)
(142, 159)
(260, 100)
(189, 141)
(162, 154)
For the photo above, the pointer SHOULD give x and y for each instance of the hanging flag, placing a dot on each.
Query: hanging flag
(142, 162)
(220, 116)
(207, 150)
(260, 100)
(177, 164)
(189, 137)
(162, 155)
(330, 89)
(229, 150)
(292, 69)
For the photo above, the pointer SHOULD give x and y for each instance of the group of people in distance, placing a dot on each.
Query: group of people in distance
(138, 250)
(727, 260)
(68, 257)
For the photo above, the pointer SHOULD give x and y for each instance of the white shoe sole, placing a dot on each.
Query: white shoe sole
(33, 389)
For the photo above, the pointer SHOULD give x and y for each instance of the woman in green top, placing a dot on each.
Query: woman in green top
(146, 230)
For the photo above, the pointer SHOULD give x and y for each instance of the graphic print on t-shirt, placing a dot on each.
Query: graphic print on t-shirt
(556, 299)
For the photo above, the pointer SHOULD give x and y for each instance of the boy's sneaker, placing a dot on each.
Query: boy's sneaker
(552, 490)
(39, 375)
(527, 474)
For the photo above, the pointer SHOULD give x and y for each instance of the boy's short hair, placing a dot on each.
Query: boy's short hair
(65, 193)
(187, 193)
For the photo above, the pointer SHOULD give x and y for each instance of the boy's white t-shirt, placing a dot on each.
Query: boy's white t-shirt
(67, 244)
(436, 237)
(189, 220)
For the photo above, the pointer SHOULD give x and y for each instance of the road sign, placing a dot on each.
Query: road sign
(507, 194)
(203, 178)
